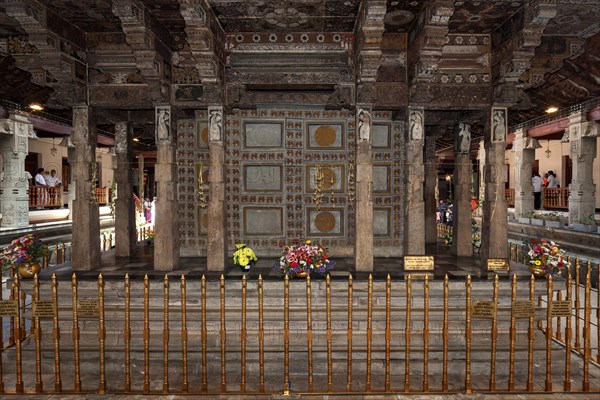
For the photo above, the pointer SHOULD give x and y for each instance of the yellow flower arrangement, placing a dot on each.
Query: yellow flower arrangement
(244, 255)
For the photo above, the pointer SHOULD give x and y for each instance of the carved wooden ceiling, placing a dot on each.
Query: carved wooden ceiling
(445, 55)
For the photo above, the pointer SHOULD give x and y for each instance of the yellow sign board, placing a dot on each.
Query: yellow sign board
(418, 263)
(560, 308)
(43, 308)
(9, 308)
(88, 308)
(523, 309)
(498, 264)
(483, 309)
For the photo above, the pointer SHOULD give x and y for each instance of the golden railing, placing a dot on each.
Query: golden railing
(360, 337)
(556, 198)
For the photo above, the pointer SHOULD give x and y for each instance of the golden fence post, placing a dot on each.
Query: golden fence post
(63, 253)
(166, 334)
(127, 333)
(18, 358)
(77, 382)
(548, 382)
(223, 336)
(146, 334)
(286, 335)
(55, 254)
(243, 336)
(567, 381)
(426, 335)
(101, 335)
(407, 334)
(261, 337)
(468, 389)
(39, 387)
(184, 338)
(23, 306)
(329, 335)
(513, 334)
(445, 337)
(369, 330)
(557, 333)
(350, 297)
(530, 336)
(494, 336)
(587, 319)
(204, 361)
(56, 335)
(309, 333)
(388, 303)
(577, 344)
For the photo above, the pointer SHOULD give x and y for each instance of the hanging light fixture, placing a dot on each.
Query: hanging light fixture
(66, 142)
(548, 152)
(53, 150)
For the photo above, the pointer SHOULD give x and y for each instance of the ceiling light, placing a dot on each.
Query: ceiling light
(136, 139)
(551, 109)
(53, 150)
(35, 107)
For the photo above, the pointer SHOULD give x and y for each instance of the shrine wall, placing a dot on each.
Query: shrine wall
(290, 177)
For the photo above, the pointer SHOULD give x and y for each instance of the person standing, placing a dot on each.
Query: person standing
(42, 191)
(148, 209)
(53, 183)
(552, 181)
(537, 190)
(39, 178)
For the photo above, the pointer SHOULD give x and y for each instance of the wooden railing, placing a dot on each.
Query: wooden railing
(103, 195)
(509, 194)
(45, 196)
(556, 198)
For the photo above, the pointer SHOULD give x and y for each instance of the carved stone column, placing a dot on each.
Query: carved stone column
(582, 136)
(86, 218)
(125, 235)
(166, 235)
(494, 231)
(462, 241)
(14, 186)
(363, 245)
(216, 228)
(524, 149)
(431, 179)
(415, 206)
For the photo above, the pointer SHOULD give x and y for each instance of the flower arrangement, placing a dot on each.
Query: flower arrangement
(545, 255)
(26, 249)
(303, 258)
(244, 256)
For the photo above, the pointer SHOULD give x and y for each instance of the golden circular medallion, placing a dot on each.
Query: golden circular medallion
(325, 135)
(325, 221)
(204, 135)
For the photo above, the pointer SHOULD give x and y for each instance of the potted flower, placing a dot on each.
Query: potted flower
(303, 259)
(244, 257)
(545, 257)
(24, 254)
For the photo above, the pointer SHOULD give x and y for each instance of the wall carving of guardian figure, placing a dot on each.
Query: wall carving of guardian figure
(416, 127)
(463, 142)
(215, 125)
(364, 125)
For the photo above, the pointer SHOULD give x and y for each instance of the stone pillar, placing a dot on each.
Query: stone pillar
(86, 218)
(216, 224)
(462, 241)
(431, 179)
(524, 149)
(166, 235)
(125, 223)
(494, 231)
(363, 244)
(582, 139)
(14, 186)
(481, 192)
(414, 243)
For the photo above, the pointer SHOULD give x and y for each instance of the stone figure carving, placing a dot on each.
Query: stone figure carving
(364, 125)
(416, 125)
(215, 123)
(499, 126)
(464, 141)
(163, 124)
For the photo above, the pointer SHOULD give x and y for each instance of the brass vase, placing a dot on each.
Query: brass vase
(539, 271)
(29, 270)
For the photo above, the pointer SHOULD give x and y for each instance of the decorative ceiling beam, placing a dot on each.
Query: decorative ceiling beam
(57, 69)
(369, 33)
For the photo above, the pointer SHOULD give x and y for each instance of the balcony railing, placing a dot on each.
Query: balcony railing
(556, 198)
(509, 194)
(44, 196)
